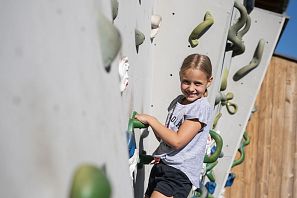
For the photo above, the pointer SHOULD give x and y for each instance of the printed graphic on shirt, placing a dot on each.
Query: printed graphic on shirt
(176, 122)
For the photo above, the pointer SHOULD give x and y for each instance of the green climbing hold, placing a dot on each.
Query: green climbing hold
(90, 182)
(253, 63)
(200, 29)
(219, 145)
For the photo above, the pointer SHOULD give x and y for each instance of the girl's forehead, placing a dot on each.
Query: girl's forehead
(189, 71)
(194, 74)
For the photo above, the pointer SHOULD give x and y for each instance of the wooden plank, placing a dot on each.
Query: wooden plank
(289, 136)
(269, 170)
(251, 156)
(277, 125)
(264, 142)
(294, 140)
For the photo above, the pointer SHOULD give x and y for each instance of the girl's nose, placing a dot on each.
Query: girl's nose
(192, 87)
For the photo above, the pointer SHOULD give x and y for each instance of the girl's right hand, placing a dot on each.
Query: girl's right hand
(144, 118)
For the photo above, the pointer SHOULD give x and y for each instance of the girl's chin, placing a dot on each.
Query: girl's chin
(191, 98)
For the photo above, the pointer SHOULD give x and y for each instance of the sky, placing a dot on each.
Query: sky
(287, 45)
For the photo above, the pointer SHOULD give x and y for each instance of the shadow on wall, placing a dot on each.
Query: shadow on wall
(139, 183)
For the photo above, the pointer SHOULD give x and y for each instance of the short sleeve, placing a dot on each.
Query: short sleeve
(201, 111)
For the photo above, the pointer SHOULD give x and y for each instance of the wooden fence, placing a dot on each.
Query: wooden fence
(270, 166)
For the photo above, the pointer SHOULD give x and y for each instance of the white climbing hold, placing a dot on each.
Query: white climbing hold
(123, 73)
(155, 25)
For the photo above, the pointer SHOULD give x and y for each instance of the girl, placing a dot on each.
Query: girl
(179, 157)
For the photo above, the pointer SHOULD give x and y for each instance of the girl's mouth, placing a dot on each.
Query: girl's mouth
(191, 95)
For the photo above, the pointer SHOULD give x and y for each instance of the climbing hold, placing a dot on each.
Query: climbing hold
(90, 182)
(249, 5)
(231, 107)
(139, 39)
(133, 123)
(219, 145)
(245, 141)
(224, 79)
(201, 192)
(115, 8)
(225, 101)
(133, 161)
(230, 179)
(253, 63)
(246, 28)
(131, 143)
(201, 29)
(211, 186)
(110, 40)
(210, 166)
(216, 120)
(220, 97)
(210, 176)
(155, 25)
(234, 36)
(241, 158)
(123, 73)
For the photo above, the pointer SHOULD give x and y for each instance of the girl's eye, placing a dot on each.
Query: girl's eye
(186, 82)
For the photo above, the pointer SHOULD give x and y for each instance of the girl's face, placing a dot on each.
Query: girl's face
(193, 84)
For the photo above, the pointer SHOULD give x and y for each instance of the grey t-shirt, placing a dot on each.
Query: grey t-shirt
(188, 159)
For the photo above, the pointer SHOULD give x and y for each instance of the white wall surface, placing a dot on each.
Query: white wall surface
(171, 46)
(265, 25)
(59, 107)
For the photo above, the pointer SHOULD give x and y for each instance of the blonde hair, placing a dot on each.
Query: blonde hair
(197, 61)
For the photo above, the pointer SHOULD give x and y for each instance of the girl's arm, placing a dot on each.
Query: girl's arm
(176, 140)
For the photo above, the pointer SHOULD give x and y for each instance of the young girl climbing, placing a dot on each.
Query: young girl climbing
(179, 157)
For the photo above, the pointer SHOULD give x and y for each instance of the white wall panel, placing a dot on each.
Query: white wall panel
(265, 25)
(171, 46)
(57, 101)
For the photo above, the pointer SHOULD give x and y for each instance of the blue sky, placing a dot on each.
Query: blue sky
(287, 45)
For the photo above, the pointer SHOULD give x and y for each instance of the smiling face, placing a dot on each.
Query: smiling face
(193, 84)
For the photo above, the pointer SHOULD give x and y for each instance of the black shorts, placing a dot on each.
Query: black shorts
(169, 181)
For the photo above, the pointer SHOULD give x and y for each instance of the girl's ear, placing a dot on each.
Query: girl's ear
(209, 81)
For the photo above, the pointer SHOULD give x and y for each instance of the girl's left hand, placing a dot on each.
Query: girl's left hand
(144, 118)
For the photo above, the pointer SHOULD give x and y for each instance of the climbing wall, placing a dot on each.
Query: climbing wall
(268, 169)
(72, 76)
(178, 21)
(60, 108)
(267, 26)
(171, 46)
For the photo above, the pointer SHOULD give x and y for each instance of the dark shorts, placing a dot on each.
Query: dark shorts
(169, 181)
